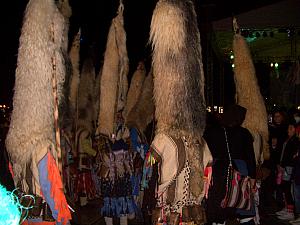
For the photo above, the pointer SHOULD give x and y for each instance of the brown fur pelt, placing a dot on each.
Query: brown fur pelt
(65, 112)
(178, 81)
(64, 7)
(74, 57)
(32, 121)
(248, 93)
(114, 76)
(135, 88)
(178, 78)
(96, 96)
(143, 111)
(86, 96)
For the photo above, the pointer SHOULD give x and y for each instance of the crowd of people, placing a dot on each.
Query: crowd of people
(280, 190)
(121, 164)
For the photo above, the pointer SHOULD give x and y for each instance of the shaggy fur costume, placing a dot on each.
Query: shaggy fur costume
(75, 57)
(31, 131)
(66, 11)
(179, 81)
(143, 111)
(86, 96)
(249, 96)
(135, 89)
(114, 83)
(177, 61)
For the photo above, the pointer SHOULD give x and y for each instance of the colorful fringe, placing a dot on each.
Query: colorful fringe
(52, 189)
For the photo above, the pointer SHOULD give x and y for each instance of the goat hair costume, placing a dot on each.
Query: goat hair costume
(142, 113)
(248, 95)
(135, 88)
(31, 139)
(179, 105)
(114, 84)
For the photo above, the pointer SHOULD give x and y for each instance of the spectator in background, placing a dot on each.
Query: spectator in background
(241, 150)
(278, 127)
(285, 171)
(278, 135)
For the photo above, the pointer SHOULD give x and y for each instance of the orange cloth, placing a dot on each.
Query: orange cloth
(57, 192)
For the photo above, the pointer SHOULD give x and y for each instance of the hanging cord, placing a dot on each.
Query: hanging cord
(235, 25)
(230, 160)
(57, 153)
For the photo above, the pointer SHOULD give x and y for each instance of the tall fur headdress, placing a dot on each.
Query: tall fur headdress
(177, 69)
(248, 94)
(31, 131)
(74, 57)
(114, 82)
(135, 88)
(142, 113)
(86, 96)
(179, 80)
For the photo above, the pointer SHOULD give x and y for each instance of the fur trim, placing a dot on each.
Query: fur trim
(179, 79)
(32, 121)
(135, 88)
(114, 76)
(86, 96)
(177, 67)
(248, 93)
(74, 57)
(143, 111)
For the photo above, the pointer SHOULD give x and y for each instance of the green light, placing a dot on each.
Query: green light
(232, 57)
(9, 213)
(276, 65)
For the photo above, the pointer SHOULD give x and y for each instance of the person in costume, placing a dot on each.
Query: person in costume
(114, 160)
(178, 146)
(33, 140)
(137, 120)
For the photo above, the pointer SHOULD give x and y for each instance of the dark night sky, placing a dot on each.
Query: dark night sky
(94, 18)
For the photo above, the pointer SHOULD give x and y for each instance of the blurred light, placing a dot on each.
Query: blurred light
(208, 109)
(274, 104)
(298, 107)
(215, 108)
(232, 65)
(232, 57)
(276, 65)
(271, 64)
(10, 212)
(221, 109)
